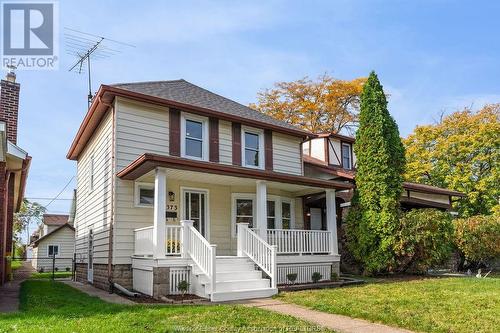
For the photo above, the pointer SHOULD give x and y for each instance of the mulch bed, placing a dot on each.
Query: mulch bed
(320, 285)
(171, 299)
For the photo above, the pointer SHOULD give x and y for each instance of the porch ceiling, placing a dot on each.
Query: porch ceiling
(213, 173)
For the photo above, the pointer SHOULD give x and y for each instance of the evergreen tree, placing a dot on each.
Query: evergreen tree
(373, 218)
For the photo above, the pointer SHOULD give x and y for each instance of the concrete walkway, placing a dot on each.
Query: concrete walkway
(9, 292)
(338, 323)
(102, 294)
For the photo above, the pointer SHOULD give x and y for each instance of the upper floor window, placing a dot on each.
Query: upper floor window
(194, 134)
(346, 156)
(92, 173)
(253, 148)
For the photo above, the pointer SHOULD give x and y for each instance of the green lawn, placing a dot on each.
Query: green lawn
(48, 275)
(427, 305)
(48, 306)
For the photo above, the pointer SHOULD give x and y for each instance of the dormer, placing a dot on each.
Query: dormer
(333, 150)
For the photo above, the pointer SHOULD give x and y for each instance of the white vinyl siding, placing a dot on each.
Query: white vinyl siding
(140, 128)
(94, 207)
(64, 239)
(286, 154)
(225, 142)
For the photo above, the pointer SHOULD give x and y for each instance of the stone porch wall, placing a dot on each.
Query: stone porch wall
(122, 274)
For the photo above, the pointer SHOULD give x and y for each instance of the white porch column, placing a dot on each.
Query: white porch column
(261, 204)
(331, 220)
(159, 226)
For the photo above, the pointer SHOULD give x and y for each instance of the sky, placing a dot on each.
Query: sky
(431, 57)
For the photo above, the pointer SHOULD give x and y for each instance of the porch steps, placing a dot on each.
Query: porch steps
(236, 279)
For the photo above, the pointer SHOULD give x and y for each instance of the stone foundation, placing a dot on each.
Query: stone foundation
(122, 274)
(161, 281)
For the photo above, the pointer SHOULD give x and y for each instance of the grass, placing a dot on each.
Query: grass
(428, 305)
(48, 306)
(48, 275)
(15, 264)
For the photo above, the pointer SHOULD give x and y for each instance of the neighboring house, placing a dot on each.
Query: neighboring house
(152, 156)
(55, 244)
(14, 166)
(331, 157)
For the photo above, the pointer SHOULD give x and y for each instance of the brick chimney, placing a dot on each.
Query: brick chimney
(9, 105)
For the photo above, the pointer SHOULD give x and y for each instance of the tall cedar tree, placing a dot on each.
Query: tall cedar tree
(373, 218)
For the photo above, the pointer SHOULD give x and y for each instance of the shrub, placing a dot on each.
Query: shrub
(40, 270)
(68, 269)
(316, 276)
(477, 237)
(424, 239)
(334, 276)
(56, 269)
(183, 287)
(292, 277)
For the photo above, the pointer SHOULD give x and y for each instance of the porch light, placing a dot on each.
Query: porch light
(171, 196)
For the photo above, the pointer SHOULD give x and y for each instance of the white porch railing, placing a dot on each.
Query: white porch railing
(258, 250)
(173, 241)
(143, 240)
(292, 241)
(202, 253)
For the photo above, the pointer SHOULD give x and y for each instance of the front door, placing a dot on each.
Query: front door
(195, 209)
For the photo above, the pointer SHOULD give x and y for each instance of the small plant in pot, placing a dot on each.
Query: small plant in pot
(292, 277)
(316, 276)
(183, 287)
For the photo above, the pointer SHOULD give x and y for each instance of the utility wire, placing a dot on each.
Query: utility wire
(57, 196)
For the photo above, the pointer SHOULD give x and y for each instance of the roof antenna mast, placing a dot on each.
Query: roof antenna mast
(87, 47)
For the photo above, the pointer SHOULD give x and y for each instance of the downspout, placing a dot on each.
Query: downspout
(111, 220)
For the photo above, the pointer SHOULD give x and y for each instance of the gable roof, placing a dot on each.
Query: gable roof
(55, 219)
(66, 225)
(176, 94)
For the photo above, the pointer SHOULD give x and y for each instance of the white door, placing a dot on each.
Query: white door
(315, 218)
(90, 267)
(196, 209)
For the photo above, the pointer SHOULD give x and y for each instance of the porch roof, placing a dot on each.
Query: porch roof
(148, 162)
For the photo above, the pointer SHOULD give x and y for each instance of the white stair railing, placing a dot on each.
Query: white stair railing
(258, 250)
(203, 254)
(173, 241)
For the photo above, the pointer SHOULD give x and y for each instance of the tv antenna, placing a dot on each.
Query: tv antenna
(88, 47)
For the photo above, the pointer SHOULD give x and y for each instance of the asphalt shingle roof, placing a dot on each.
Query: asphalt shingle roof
(182, 91)
(55, 219)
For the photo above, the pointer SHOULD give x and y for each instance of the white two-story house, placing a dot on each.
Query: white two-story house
(176, 183)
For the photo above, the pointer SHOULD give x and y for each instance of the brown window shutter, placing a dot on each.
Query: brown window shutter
(175, 132)
(268, 149)
(236, 143)
(213, 134)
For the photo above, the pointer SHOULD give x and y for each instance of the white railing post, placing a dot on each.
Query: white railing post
(261, 211)
(213, 270)
(185, 224)
(240, 241)
(331, 221)
(274, 266)
(159, 220)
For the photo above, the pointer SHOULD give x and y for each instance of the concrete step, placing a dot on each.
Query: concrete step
(235, 285)
(222, 296)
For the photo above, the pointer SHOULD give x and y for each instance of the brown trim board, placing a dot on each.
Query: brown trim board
(148, 162)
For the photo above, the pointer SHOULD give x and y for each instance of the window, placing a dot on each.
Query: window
(253, 148)
(286, 215)
(244, 211)
(346, 156)
(194, 137)
(144, 195)
(280, 211)
(271, 214)
(53, 250)
(92, 175)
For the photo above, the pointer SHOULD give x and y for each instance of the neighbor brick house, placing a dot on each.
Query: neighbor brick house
(14, 165)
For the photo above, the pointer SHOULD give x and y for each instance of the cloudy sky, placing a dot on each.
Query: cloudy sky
(431, 56)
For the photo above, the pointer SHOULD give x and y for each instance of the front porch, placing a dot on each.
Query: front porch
(231, 236)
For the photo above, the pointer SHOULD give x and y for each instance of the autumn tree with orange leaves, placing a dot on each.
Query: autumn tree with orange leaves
(324, 105)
